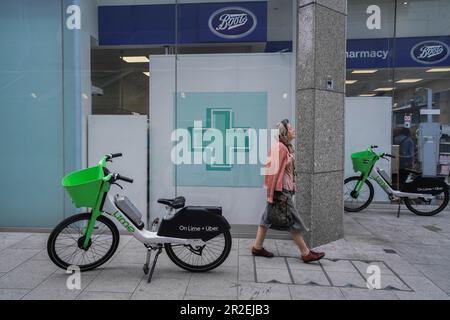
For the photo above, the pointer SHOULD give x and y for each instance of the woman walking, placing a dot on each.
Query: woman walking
(280, 180)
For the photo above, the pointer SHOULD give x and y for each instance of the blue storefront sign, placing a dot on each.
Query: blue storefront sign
(247, 22)
(197, 23)
(400, 52)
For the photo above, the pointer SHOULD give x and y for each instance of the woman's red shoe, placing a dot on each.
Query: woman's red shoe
(313, 256)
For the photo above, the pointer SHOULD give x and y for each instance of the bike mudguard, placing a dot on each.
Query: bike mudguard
(428, 185)
(194, 223)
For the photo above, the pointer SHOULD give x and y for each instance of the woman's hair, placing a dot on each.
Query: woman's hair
(283, 134)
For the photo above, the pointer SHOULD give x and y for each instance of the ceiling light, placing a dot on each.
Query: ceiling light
(364, 71)
(384, 89)
(409, 80)
(350, 81)
(135, 59)
(439, 70)
(147, 74)
(368, 95)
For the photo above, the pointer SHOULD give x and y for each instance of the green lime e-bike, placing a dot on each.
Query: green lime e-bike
(196, 238)
(425, 196)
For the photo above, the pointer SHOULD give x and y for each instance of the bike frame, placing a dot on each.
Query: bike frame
(147, 237)
(105, 204)
(385, 185)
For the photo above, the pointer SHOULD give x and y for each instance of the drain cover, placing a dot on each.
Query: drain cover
(390, 251)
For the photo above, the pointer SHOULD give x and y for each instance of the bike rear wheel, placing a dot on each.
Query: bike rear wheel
(353, 202)
(64, 246)
(422, 207)
(208, 257)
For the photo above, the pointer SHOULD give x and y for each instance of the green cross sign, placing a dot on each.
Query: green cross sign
(221, 119)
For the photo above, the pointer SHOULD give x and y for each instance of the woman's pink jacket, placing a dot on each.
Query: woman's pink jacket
(274, 169)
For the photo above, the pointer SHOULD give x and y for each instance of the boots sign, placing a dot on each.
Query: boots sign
(232, 22)
(430, 52)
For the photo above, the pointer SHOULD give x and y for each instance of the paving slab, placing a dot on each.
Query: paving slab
(217, 282)
(424, 287)
(12, 294)
(120, 277)
(308, 277)
(161, 289)
(439, 275)
(273, 275)
(12, 258)
(366, 294)
(263, 291)
(55, 287)
(299, 292)
(34, 241)
(274, 262)
(104, 296)
(346, 279)
(246, 269)
(28, 275)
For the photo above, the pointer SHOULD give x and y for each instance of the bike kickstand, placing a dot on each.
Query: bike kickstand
(147, 260)
(399, 205)
(154, 264)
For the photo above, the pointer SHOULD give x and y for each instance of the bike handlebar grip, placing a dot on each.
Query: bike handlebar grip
(129, 180)
(116, 155)
(389, 155)
(374, 147)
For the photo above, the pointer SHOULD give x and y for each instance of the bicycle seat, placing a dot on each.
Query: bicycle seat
(176, 203)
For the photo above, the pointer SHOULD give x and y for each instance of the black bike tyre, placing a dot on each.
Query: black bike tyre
(432, 213)
(51, 250)
(208, 267)
(369, 200)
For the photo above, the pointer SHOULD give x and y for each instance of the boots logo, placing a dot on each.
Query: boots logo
(430, 52)
(232, 22)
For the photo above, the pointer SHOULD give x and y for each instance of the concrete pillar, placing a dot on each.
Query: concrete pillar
(321, 46)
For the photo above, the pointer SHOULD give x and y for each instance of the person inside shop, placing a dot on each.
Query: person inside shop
(407, 151)
(280, 183)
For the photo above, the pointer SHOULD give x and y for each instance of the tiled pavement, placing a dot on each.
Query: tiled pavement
(413, 254)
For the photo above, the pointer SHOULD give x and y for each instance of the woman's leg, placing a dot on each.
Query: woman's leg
(300, 242)
(260, 235)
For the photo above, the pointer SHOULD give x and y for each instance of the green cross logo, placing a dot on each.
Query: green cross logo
(221, 119)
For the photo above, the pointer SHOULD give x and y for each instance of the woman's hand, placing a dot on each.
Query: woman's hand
(270, 200)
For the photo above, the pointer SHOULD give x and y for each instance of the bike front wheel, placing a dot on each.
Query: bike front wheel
(65, 244)
(201, 259)
(424, 207)
(356, 202)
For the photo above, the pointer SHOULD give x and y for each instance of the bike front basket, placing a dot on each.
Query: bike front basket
(84, 186)
(363, 161)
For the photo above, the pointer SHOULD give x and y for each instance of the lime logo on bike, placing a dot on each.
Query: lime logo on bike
(123, 221)
(382, 183)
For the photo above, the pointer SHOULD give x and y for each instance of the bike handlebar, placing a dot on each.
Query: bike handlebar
(123, 178)
(114, 155)
(389, 155)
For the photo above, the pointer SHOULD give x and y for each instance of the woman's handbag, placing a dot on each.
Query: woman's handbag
(278, 213)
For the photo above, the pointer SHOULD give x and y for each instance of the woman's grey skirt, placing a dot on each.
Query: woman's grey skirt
(298, 225)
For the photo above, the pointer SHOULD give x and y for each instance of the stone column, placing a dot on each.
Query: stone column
(321, 46)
